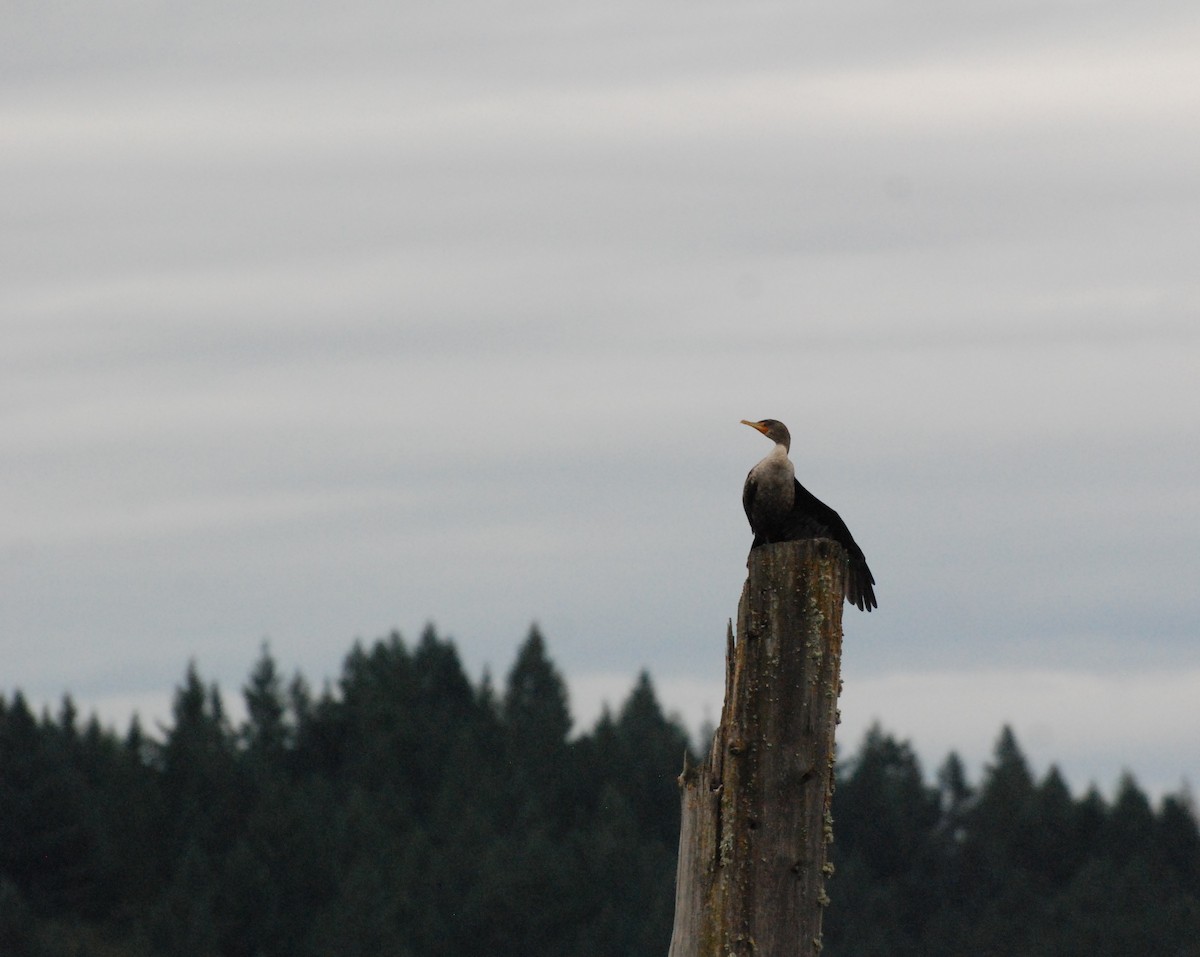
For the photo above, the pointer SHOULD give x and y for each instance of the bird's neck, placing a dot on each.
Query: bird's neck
(778, 454)
(776, 466)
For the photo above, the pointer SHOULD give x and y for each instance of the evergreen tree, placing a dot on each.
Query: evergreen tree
(883, 806)
(1088, 825)
(645, 766)
(379, 719)
(452, 727)
(1178, 842)
(1049, 850)
(536, 724)
(1130, 821)
(1008, 782)
(884, 817)
(265, 734)
(535, 702)
(46, 845)
(200, 783)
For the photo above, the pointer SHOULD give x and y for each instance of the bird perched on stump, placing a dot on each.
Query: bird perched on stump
(780, 509)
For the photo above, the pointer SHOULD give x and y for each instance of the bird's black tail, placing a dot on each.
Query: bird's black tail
(860, 583)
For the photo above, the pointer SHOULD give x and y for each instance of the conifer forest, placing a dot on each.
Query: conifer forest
(405, 811)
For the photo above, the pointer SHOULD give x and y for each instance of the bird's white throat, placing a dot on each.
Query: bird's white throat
(776, 468)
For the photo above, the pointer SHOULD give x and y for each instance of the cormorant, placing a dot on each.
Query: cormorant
(780, 509)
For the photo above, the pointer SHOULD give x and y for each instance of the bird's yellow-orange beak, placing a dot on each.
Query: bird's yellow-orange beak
(755, 425)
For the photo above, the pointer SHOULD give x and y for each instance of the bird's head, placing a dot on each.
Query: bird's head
(773, 429)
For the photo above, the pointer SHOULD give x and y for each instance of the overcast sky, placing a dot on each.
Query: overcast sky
(322, 319)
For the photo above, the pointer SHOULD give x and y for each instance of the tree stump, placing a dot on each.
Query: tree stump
(756, 820)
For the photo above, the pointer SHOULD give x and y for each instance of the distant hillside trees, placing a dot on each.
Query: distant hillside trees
(1013, 866)
(405, 810)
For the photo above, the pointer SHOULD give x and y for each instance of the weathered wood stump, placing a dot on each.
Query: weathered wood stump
(756, 820)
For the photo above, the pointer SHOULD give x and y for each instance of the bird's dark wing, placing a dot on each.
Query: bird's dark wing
(749, 492)
(812, 518)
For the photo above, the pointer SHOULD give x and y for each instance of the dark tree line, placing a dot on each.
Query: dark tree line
(1011, 866)
(406, 811)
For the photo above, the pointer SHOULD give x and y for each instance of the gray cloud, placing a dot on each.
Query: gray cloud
(320, 320)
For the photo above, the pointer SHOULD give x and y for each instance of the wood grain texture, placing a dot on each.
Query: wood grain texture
(756, 821)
